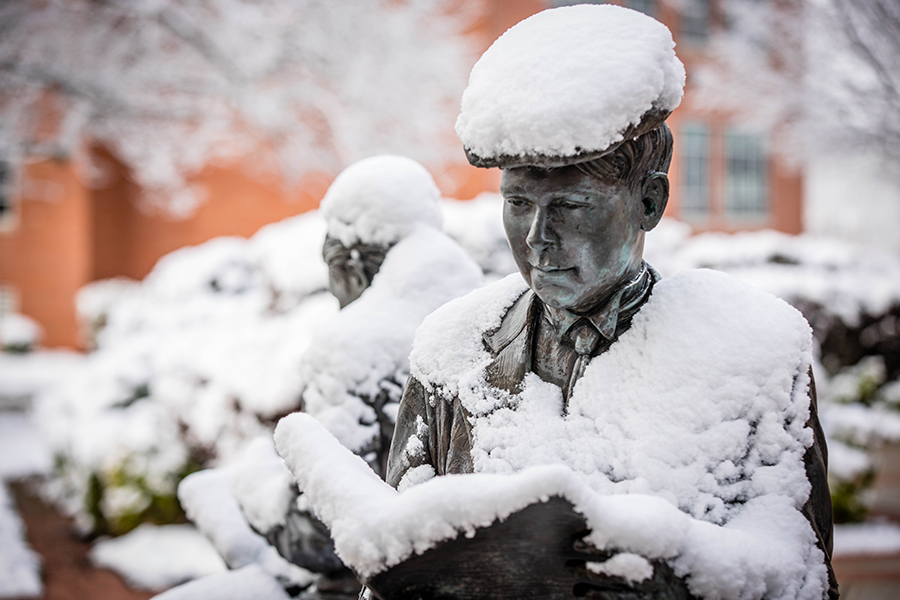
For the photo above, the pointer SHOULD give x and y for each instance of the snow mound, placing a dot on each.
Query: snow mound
(22, 450)
(380, 200)
(569, 81)
(248, 583)
(879, 537)
(156, 557)
(477, 225)
(19, 333)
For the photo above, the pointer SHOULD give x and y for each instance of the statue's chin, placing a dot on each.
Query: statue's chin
(556, 296)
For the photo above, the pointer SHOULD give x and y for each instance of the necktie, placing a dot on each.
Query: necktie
(585, 337)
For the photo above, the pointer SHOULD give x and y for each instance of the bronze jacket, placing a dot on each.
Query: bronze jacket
(443, 424)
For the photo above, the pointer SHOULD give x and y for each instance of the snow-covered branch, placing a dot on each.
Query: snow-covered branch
(170, 86)
(825, 75)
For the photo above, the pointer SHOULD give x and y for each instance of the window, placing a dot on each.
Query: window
(695, 21)
(8, 216)
(8, 300)
(558, 3)
(745, 176)
(693, 143)
(645, 6)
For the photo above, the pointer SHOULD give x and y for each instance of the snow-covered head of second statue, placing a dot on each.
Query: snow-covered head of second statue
(370, 206)
(571, 103)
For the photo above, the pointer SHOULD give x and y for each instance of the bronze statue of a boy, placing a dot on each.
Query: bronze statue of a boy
(585, 151)
(604, 432)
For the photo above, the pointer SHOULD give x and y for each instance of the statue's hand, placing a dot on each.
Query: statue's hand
(612, 574)
(586, 564)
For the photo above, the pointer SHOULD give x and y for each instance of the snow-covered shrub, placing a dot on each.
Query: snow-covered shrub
(95, 300)
(206, 352)
(18, 333)
(189, 363)
(860, 411)
(477, 225)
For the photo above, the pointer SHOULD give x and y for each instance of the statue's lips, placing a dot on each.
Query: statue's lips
(553, 270)
(549, 275)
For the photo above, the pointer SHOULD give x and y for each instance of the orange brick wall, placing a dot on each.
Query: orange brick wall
(46, 258)
(129, 240)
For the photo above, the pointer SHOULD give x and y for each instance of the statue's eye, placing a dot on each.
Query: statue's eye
(566, 205)
(518, 201)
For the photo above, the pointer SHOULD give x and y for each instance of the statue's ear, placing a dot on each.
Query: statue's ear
(654, 195)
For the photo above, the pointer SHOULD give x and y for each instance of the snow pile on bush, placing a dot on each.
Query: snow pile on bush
(851, 281)
(208, 351)
(20, 566)
(477, 225)
(157, 557)
(200, 356)
(19, 333)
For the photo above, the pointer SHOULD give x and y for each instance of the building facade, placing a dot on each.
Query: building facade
(58, 234)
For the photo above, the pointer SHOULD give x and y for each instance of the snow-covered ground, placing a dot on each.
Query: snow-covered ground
(867, 539)
(19, 565)
(22, 376)
(158, 557)
(22, 454)
(151, 557)
(22, 451)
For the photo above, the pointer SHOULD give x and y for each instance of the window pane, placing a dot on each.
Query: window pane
(8, 304)
(645, 6)
(6, 207)
(693, 144)
(695, 21)
(746, 185)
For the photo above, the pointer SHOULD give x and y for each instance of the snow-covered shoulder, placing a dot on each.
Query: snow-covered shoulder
(363, 350)
(448, 350)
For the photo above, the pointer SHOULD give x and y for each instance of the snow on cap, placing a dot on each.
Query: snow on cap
(380, 200)
(568, 85)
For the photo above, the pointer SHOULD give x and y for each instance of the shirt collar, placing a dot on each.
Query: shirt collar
(605, 317)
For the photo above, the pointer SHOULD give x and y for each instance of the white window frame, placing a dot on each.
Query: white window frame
(694, 165)
(694, 22)
(9, 209)
(746, 177)
(9, 300)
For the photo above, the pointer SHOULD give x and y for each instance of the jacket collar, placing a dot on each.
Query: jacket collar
(510, 344)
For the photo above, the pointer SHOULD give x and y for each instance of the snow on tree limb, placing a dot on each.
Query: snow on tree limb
(170, 86)
(823, 75)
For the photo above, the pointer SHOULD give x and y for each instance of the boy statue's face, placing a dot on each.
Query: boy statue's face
(575, 238)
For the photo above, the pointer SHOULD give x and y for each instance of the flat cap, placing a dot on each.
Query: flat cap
(569, 85)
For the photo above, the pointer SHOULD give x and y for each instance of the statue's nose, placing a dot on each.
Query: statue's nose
(540, 234)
